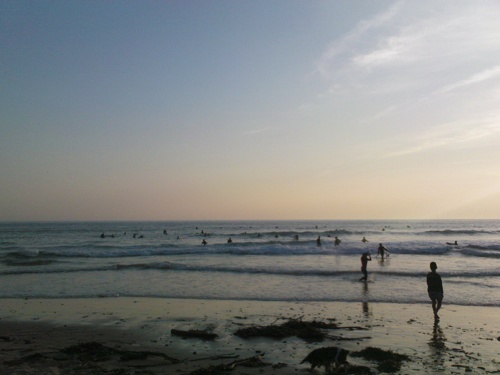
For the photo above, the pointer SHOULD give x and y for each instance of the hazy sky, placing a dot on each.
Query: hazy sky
(235, 109)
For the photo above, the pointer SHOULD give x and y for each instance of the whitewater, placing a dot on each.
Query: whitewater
(265, 260)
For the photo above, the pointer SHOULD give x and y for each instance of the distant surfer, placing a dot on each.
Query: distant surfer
(452, 243)
(318, 241)
(382, 250)
(365, 258)
(435, 289)
(364, 239)
(229, 240)
(203, 242)
(337, 241)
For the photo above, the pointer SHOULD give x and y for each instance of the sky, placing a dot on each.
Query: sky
(249, 110)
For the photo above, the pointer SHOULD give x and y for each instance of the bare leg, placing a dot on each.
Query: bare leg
(365, 273)
(438, 306)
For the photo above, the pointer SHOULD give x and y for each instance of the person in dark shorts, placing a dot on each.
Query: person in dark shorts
(364, 263)
(435, 289)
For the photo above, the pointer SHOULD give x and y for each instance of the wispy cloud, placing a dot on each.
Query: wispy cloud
(483, 76)
(341, 48)
(416, 44)
(400, 65)
(261, 130)
(451, 135)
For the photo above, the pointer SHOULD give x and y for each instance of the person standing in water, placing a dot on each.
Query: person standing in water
(435, 289)
(382, 250)
(364, 263)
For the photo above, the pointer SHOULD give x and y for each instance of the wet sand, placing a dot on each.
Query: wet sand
(136, 336)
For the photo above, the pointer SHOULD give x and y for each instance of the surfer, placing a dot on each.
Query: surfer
(318, 241)
(435, 289)
(229, 240)
(452, 244)
(382, 250)
(337, 241)
(364, 263)
(364, 239)
(203, 242)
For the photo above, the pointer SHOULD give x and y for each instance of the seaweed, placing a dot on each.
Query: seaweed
(90, 351)
(32, 358)
(388, 361)
(309, 331)
(99, 352)
(194, 333)
(255, 361)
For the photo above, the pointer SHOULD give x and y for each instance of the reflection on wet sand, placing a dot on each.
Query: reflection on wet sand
(437, 343)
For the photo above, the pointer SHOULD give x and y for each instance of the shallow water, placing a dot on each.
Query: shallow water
(265, 261)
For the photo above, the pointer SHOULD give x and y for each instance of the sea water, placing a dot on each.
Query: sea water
(267, 260)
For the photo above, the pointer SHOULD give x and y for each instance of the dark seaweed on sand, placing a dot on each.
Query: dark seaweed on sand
(90, 351)
(255, 362)
(195, 333)
(98, 352)
(388, 360)
(32, 358)
(310, 331)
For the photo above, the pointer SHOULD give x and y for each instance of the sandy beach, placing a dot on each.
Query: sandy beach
(134, 336)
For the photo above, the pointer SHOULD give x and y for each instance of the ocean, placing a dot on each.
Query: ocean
(266, 260)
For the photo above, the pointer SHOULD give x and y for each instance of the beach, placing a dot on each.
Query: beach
(136, 336)
(148, 298)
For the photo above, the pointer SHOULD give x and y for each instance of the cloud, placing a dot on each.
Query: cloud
(451, 134)
(261, 130)
(340, 48)
(395, 71)
(479, 77)
(415, 45)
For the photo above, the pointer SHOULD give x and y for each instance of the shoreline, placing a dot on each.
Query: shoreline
(466, 337)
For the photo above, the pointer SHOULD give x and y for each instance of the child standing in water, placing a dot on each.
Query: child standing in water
(435, 289)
